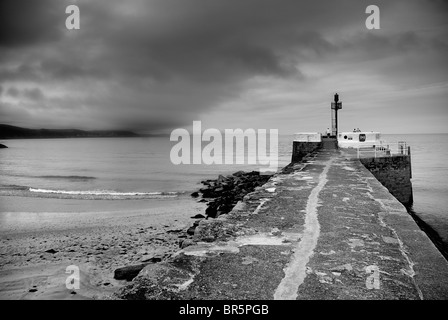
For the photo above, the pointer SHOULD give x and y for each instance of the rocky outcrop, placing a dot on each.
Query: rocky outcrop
(163, 281)
(223, 194)
(129, 272)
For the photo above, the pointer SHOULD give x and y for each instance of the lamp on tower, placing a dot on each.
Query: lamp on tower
(335, 106)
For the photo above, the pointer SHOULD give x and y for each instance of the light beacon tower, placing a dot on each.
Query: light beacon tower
(335, 106)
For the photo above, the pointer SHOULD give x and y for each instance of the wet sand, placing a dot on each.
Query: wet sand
(36, 246)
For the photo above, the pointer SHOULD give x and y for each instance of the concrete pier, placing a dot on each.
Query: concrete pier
(325, 228)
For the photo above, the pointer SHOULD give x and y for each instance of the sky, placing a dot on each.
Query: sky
(153, 66)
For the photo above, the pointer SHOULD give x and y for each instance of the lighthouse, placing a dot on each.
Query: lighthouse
(335, 106)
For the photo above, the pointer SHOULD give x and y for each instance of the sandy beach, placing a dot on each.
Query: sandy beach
(97, 236)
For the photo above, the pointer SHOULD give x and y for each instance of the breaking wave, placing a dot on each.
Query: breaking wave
(82, 178)
(15, 190)
(103, 192)
(51, 177)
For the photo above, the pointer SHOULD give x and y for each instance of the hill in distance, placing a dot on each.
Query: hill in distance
(13, 132)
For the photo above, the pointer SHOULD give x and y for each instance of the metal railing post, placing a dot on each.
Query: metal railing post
(410, 165)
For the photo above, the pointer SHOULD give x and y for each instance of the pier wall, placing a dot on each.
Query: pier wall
(301, 148)
(395, 174)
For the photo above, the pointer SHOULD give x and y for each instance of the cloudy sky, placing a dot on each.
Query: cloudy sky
(156, 65)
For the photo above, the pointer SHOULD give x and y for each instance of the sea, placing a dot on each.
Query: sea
(132, 169)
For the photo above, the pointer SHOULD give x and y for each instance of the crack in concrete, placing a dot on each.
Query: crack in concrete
(411, 272)
(411, 264)
(295, 271)
(262, 202)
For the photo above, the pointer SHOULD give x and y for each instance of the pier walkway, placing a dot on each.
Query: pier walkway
(326, 229)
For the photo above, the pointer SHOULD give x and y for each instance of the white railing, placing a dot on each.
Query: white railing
(384, 149)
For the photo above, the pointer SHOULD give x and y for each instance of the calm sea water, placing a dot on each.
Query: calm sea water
(121, 167)
(129, 168)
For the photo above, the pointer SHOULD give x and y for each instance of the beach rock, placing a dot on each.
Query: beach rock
(151, 258)
(195, 194)
(198, 216)
(239, 173)
(175, 230)
(211, 211)
(162, 281)
(186, 243)
(192, 229)
(2, 146)
(128, 273)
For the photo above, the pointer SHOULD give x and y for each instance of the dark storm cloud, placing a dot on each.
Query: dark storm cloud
(193, 39)
(13, 92)
(18, 72)
(28, 93)
(33, 94)
(162, 63)
(440, 4)
(196, 39)
(24, 22)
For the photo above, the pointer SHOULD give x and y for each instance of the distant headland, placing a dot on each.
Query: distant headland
(13, 132)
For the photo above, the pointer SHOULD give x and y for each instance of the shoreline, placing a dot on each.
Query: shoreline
(37, 247)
